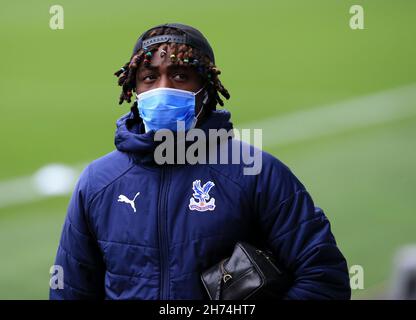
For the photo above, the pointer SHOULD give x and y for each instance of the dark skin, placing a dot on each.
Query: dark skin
(162, 73)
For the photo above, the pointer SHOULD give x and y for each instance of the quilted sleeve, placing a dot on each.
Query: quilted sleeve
(300, 236)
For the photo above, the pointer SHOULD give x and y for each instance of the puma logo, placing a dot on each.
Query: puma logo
(123, 198)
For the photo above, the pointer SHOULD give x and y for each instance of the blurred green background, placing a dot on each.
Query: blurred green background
(58, 100)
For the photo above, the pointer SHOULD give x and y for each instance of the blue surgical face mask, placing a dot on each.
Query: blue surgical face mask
(161, 108)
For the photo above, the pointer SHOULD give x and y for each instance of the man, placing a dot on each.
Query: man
(136, 229)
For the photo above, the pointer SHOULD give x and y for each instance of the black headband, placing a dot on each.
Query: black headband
(191, 36)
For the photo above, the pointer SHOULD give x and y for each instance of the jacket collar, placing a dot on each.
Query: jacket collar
(131, 138)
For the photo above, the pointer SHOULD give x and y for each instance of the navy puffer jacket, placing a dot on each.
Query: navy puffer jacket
(136, 230)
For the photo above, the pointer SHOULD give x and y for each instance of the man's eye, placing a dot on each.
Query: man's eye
(181, 76)
(148, 77)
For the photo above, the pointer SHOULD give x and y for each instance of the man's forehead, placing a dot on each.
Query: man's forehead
(168, 64)
(157, 61)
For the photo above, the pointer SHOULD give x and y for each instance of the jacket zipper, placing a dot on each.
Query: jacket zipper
(163, 236)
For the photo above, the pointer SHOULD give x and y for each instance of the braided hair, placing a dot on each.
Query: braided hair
(181, 54)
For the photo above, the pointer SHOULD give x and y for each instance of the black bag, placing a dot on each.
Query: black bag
(249, 273)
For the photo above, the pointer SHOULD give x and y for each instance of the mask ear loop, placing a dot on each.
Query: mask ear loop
(196, 93)
(203, 104)
(196, 118)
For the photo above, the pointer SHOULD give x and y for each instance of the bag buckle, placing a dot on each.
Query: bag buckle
(225, 274)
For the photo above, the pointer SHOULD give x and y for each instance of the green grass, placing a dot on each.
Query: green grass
(59, 104)
(29, 235)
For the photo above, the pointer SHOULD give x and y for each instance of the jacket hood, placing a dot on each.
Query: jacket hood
(130, 136)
